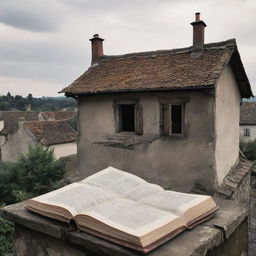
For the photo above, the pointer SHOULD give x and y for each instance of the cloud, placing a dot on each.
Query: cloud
(47, 41)
(35, 16)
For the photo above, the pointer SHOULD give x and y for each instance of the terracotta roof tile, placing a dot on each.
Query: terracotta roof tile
(158, 70)
(51, 132)
(58, 115)
(248, 113)
(11, 119)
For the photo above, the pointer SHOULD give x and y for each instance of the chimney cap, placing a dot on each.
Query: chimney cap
(197, 20)
(96, 37)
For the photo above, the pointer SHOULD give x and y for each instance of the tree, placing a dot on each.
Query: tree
(9, 96)
(35, 173)
(39, 170)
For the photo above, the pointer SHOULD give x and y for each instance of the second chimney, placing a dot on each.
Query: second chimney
(97, 48)
(198, 36)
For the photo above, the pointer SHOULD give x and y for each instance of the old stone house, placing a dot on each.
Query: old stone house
(57, 135)
(168, 116)
(171, 117)
(10, 123)
(248, 121)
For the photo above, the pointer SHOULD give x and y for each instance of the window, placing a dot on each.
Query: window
(172, 119)
(246, 132)
(128, 116)
(127, 120)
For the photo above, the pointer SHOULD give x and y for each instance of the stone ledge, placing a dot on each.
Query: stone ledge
(235, 177)
(126, 140)
(198, 241)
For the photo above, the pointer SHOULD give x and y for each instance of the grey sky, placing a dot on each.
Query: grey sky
(45, 44)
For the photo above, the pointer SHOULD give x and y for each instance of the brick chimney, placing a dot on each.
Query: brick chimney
(97, 48)
(198, 36)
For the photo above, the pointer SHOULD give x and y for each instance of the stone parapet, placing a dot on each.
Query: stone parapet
(225, 234)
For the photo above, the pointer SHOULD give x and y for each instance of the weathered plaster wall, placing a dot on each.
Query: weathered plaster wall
(227, 114)
(16, 143)
(252, 132)
(177, 162)
(64, 149)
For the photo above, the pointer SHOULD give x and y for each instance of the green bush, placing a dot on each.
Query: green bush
(39, 171)
(249, 149)
(9, 182)
(6, 236)
(35, 173)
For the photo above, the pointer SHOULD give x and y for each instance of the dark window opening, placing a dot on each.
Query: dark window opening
(127, 118)
(247, 132)
(176, 114)
(171, 119)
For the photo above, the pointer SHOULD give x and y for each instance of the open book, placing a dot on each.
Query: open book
(125, 209)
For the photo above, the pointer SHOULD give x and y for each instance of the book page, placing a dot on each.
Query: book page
(114, 180)
(76, 197)
(131, 217)
(143, 191)
(172, 201)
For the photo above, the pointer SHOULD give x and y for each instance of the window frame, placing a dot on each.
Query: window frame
(247, 132)
(168, 103)
(138, 117)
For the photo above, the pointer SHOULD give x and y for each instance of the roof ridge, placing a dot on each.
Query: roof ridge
(209, 46)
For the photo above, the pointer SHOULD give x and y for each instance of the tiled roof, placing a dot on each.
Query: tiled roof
(51, 132)
(11, 119)
(58, 115)
(248, 113)
(161, 70)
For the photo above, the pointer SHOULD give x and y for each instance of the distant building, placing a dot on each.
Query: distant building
(57, 135)
(168, 116)
(10, 122)
(248, 121)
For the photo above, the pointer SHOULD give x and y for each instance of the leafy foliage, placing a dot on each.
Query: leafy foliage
(249, 149)
(9, 182)
(11, 102)
(39, 170)
(6, 236)
(35, 173)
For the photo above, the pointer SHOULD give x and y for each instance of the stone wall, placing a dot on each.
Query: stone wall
(32, 243)
(225, 234)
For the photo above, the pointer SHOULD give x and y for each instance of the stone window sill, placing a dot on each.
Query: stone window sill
(126, 140)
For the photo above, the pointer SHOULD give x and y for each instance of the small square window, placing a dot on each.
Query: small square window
(128, 117)
(172, 119)
(246, 132)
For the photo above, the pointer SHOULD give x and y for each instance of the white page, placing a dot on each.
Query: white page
(114, 180)
(131, 217)
(76, 197)
(143, 191)
(173, 201)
